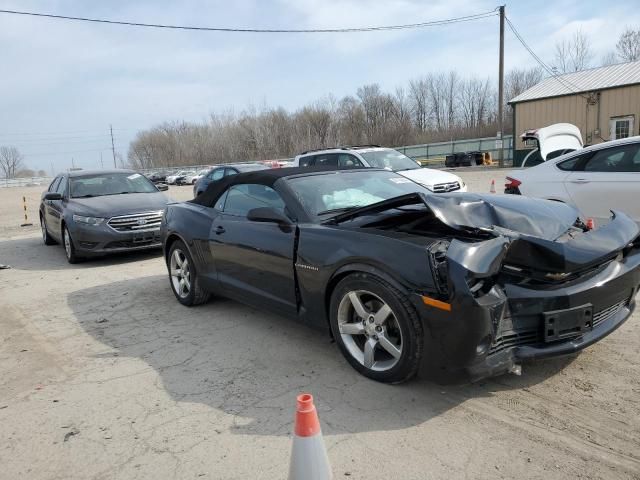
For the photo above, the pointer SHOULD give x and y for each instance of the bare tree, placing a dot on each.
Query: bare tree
(574, 54)
(11, 160)
(419, 99)
(473, 100)
(628, 46)
(609, 58)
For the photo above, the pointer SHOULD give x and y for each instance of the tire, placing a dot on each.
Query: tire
(69, 249)
(399, 331)
(46, 238)
(183, 277)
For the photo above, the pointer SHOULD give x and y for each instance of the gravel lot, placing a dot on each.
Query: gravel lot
(104, 375)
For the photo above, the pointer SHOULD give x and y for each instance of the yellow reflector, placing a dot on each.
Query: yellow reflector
(436, 303)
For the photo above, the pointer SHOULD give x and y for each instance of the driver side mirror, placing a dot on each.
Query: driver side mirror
(163, 187)
(52, 196)
(267, 214)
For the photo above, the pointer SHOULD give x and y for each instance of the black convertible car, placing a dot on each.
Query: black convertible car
(404, 279)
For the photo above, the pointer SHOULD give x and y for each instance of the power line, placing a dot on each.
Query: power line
(432, 23)
(68, 134)
(53, 141)
(563, 81)
(54, 153)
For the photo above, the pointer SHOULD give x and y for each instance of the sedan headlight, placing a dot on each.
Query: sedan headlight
(88, 220)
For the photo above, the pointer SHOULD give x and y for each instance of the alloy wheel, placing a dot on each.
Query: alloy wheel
(180, 273)
(369, 330)
(67, 243)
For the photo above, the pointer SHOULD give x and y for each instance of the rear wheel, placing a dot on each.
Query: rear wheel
(376, 328)
(183, 276)
(46, 238)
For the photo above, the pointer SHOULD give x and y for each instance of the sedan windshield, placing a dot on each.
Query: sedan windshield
(389, 159)
(322, 195)
(110, 184)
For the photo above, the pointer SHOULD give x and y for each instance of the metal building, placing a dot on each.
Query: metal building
(604, 103)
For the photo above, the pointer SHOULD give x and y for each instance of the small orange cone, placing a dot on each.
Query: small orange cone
(591, 224)
(493, 187)
(309, 459)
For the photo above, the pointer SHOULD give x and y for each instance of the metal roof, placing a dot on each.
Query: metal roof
(584, 81)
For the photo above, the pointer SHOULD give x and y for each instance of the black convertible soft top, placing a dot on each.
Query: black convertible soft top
(259, 177)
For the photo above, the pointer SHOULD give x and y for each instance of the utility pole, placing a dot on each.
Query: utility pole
(113, 149)
(73, 165)
(501, 88)
(101, 163)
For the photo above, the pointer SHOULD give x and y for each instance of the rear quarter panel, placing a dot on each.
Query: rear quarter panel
(191, 223)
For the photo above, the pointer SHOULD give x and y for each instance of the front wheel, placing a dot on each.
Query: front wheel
(69, 249)
(184, 277)
(376, 328)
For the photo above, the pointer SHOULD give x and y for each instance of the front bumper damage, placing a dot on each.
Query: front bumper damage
(497, 321)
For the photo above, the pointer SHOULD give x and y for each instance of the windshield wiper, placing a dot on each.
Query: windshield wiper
(336, 210)
(84, 196)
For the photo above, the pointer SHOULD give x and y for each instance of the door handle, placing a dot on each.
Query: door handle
(220, 229)
(579, 180)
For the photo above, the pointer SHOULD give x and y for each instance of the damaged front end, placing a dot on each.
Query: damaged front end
(518, 296)
(514, 278)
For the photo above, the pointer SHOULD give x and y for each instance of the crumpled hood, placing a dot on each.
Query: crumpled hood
(534, 217)
(464, 211)
(530, 228)
(429, 176)
(113, 205)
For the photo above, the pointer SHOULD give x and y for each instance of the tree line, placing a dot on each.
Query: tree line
(435, 107)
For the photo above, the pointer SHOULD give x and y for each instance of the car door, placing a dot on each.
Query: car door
(55, 210)
(46, 207)
(609, 179)
(254, 260)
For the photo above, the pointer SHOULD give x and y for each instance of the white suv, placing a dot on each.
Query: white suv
(374, 156)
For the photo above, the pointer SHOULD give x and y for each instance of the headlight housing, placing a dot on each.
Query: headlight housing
(88, 220)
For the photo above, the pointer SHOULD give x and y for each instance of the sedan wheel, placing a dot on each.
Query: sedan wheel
(46, 238)
(376, 328)
(183, 276)
(69, 249)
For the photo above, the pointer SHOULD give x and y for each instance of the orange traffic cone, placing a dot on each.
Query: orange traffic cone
(493, 187)
(309, 459)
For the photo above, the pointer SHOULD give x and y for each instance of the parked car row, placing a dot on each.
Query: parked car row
(400, 265)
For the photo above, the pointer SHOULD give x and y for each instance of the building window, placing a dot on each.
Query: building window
(621, 127)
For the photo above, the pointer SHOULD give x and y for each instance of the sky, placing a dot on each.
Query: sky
(63, 83)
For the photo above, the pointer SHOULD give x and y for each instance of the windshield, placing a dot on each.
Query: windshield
(322, 195)
(389, 159)
(110, 184)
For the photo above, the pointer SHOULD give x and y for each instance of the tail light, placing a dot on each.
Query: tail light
(512, 183)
